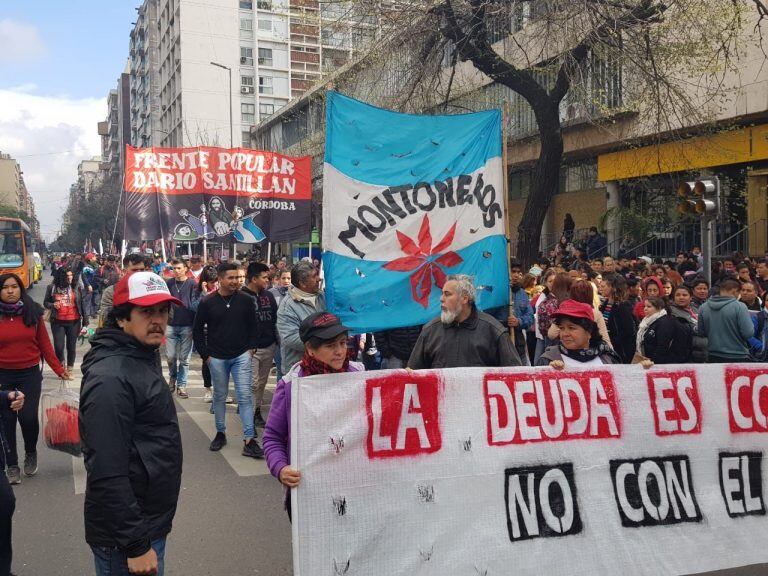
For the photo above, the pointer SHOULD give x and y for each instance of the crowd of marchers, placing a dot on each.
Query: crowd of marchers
(246, 319)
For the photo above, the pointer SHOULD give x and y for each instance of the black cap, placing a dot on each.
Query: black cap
(322, 325)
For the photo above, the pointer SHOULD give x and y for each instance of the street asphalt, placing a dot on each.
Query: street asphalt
(230, 520)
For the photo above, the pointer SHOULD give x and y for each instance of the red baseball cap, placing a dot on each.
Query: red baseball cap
(575, 309)
(143, 289)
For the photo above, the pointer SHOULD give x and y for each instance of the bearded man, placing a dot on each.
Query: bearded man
(462, 336)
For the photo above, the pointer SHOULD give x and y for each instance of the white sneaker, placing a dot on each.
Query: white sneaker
(208, 396)
(230, 400)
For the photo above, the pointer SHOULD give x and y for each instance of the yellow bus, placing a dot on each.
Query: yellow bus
(16, 250)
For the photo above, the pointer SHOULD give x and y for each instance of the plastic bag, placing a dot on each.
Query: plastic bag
(61, 409)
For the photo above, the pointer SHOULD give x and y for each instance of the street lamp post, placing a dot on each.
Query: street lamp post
(231, 126)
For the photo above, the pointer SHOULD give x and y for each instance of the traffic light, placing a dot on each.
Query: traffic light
(700, 198)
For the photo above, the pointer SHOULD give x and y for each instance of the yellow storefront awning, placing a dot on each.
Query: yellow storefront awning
(733, 147)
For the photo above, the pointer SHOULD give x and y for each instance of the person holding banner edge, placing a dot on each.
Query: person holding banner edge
(580, 342)
(325, 352)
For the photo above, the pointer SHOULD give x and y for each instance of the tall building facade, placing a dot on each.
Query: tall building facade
(203, 72)
(14, 193)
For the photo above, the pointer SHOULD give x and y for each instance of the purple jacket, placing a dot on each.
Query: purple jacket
(277, 433)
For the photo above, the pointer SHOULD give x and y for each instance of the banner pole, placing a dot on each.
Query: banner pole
(269, 252)
(505, 184)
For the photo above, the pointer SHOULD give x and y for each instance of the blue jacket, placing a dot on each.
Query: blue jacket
(522, 307)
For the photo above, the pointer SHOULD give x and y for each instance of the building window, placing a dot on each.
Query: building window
(246, 136)
(265, 84)
(265, 24)
(246, 81)
(266, 110)
(248, 113)
(246, 4)
(246, 56)
(246, 24)
(264, 4)
(265, 56)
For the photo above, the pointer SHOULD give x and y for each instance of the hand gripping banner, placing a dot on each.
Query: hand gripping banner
(523, 471)
(187, 194)
(409, 200)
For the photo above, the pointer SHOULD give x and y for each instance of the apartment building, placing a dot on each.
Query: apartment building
(613, 159)
(204, 72)
(115, 130)
(14, 193)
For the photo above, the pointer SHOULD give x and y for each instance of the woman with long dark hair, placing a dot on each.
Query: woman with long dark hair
(64, 299)
(617, 312)
(23, 342)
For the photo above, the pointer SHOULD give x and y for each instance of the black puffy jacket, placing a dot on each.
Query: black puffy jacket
(397, 342)
(131, 444)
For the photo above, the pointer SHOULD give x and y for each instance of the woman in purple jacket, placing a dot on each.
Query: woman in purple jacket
(325, 352)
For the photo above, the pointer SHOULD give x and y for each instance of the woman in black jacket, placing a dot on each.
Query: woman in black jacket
(8, 401)
(64, 299)
(617, 312)
(659, 335)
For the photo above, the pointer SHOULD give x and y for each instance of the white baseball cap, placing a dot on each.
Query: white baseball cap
(143, 289)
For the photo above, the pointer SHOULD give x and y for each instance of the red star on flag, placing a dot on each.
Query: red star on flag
(425, 261)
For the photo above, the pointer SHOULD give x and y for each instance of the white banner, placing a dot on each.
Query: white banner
(520, 471)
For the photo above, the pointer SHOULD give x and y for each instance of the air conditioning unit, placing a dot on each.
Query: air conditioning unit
(261, 61)
(246, 90)
(243, 60)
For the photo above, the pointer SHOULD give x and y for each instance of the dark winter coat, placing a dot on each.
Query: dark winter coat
(622, 330)
(131, 444)
(664, 342)
(398, 342)
(478, 341)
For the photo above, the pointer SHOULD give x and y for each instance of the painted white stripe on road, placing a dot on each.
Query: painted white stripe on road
(242, 465)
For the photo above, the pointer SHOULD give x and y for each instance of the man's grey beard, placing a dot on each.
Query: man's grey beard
(448, 317)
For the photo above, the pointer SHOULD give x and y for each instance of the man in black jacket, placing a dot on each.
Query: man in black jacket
(130, 433)
(257, 277)
(462, 336)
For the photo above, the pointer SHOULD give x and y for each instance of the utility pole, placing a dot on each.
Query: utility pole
(231, 127)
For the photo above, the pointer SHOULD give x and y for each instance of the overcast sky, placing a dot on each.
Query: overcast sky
(58, 61)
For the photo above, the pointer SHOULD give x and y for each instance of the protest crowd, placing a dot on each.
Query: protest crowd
(248, 319)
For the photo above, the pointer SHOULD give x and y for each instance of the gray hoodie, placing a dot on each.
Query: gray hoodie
(726, 323)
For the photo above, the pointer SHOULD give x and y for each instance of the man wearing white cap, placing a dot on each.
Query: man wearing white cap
(130, 432)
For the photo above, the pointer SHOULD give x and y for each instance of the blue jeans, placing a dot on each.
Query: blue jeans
(241, 370)
(114, 562)
(178, 348)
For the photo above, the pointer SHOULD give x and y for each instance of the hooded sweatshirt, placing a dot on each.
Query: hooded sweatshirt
(726, 323)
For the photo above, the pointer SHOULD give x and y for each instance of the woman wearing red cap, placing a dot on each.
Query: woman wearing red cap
(580, 342)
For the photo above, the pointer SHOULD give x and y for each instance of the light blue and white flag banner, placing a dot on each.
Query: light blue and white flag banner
(409, 200)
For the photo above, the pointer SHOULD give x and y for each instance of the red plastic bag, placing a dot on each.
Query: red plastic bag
(61, 431)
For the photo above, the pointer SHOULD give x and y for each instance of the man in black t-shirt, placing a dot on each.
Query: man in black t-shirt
(229, 316)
